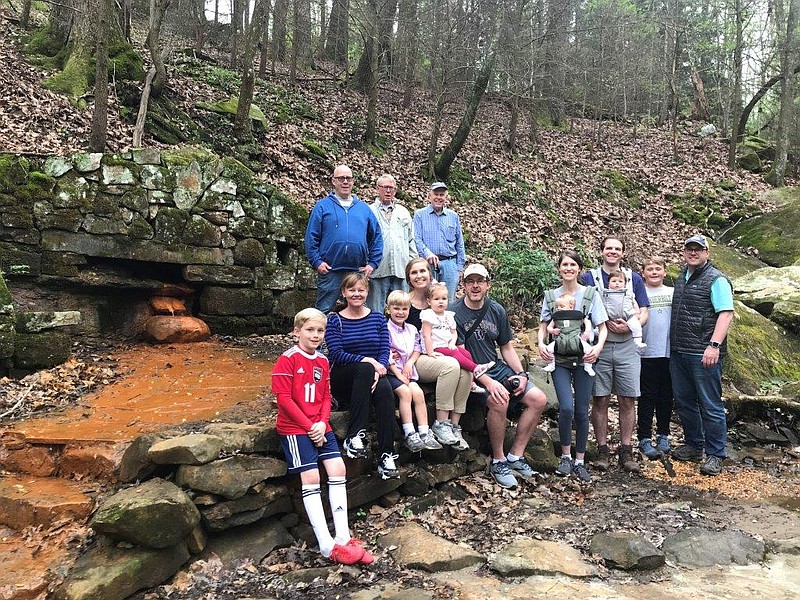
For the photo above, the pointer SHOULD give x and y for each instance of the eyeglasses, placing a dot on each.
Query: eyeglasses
(474, 281)
(343, 178)
(694, 250)
(386, 187)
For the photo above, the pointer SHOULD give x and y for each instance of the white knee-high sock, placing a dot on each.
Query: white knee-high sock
(337, 495)
(312, 500)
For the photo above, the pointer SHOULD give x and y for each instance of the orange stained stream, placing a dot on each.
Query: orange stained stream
(160, 386)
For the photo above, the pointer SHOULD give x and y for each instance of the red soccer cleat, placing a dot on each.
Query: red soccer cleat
(367, 559)
(346, 555)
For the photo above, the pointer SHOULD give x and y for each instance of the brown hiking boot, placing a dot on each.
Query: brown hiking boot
(603, 459)
(626, 459)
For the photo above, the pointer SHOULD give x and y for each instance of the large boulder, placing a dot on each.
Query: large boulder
(156, 514)
(114, 573)
(776, 235)
(774, 292)
(626, 550)
(415, 547)
(759, 351)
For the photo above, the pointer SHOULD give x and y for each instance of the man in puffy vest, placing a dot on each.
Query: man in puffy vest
(702, 312)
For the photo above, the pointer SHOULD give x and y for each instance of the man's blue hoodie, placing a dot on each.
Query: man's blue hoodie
(345, 238)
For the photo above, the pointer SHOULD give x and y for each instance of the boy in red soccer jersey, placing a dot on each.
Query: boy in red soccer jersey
(301, 383)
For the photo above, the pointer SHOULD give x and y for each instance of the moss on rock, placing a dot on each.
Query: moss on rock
(775, 235)
(759, 351)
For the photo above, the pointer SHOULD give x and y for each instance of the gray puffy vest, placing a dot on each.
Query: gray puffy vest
(693, 316)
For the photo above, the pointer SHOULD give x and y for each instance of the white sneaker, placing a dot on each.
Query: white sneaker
(443, 431)
(476, 389)
(386, 466)
(639, 344)
(481, 369)
(549, 367)
(589, 369)
(462, 443)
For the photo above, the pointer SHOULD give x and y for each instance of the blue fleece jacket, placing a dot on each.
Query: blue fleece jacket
(346, 239)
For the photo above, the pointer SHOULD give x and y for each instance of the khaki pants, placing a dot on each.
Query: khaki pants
(452, 384)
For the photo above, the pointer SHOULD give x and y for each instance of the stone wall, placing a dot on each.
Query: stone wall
(104, 233)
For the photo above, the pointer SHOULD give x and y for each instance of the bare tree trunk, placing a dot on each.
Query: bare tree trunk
(448, 157)
(736, 100)
(323, 10)
(778, 171)
(373, 75)
(301, 40)
(97, 138)
(236, 30)
(141, 117)
(25, 16)
(701, 110)
(512, 125)
(153, 43)
(337, 38)
(125, 20)
(279, 32)
(242, 126)
(262, 59)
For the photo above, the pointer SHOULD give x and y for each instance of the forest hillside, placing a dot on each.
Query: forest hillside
(565, 187)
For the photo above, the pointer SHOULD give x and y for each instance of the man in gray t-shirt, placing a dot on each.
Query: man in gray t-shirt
(483, 327)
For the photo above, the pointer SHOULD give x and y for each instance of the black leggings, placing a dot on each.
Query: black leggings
(350, 385)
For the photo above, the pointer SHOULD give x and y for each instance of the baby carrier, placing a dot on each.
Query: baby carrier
(614, 300)
(568, 347)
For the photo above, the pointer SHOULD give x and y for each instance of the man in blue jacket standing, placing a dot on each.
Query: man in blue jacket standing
(342, 235)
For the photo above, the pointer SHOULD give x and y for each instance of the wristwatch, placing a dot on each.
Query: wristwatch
(523, 374)
(714, 344)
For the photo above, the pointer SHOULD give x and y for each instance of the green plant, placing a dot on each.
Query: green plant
(521, 274)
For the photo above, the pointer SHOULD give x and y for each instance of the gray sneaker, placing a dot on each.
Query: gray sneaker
(503, 475)
(461, 444)
(581, 472)
(429, 440)
(443, 430)
(712, 466)
(522, 468)
(662, 444)
(564, 467)
(413, 442)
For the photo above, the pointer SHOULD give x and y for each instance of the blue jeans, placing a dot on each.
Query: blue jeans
(447, 273)
(329, 289)
(698, 397)
(379, 288)
(573, 406)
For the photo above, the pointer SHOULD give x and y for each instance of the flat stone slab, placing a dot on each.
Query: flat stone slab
(522, 558)
(415, 547)
(251, 542)
(191, 449)
(28, 501)
(699, 547)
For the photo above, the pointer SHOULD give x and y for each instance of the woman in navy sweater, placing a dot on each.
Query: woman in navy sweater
(358, 349)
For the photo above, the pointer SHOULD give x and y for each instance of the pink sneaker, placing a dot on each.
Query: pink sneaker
(367, 559)
(347, 554)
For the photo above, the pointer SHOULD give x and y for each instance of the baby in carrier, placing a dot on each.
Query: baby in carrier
(565, 328)
(620, 304)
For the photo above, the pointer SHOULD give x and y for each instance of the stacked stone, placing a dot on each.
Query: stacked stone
(143, 218)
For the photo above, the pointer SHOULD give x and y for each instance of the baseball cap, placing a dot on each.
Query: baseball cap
(476, 269)
(698, 239)
(438, 185)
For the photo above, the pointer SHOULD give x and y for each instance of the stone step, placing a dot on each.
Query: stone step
(28, 501)
(44, 457)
